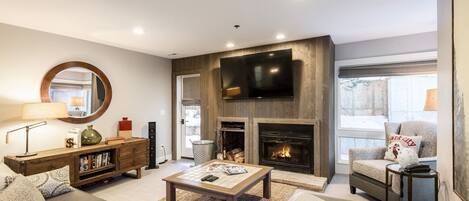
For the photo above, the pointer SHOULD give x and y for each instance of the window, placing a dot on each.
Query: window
(369, 96)
(351, 142)
(366, 103)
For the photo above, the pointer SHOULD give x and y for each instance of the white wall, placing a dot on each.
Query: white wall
(445, 125)
(141, 86)
(423, 42)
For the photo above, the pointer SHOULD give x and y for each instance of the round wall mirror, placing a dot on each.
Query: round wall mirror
(83, 87)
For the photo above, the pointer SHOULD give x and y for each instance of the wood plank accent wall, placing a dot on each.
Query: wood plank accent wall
(314, 91)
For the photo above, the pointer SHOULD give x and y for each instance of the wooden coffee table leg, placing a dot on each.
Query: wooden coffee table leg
(267, 186)
(170, 192)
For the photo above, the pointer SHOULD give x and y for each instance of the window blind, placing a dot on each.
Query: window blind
(396, 69)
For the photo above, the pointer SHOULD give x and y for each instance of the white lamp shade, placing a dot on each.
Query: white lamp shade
(76, 101)
(44, 111)
(431, 102)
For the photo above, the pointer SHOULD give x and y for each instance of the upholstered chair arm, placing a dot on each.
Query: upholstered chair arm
(371, 153)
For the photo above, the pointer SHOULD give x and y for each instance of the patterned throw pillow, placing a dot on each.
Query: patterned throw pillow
(6, 180)
(6, 176)
(52, 183)
(398, 142)
(21, 189)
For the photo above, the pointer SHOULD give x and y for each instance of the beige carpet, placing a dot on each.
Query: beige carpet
(304, 181)
(280, 192)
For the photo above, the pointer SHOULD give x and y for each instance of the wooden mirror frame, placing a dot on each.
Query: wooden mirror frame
(47, 80)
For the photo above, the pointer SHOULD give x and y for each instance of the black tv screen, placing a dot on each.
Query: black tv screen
(261, 75)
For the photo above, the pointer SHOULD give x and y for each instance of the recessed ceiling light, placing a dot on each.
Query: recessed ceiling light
(138, 31)
(280, 36)
(230, 45)
(274, 70)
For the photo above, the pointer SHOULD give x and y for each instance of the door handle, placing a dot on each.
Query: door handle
(183, 121)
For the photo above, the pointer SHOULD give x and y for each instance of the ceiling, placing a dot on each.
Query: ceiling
(194, 27)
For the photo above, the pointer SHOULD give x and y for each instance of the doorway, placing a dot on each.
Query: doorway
(188, 113)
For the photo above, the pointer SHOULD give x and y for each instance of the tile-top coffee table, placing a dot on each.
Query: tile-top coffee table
(227, 187)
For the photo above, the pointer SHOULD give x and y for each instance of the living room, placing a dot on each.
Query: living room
(213, 100)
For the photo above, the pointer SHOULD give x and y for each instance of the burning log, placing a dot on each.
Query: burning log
(282, 152)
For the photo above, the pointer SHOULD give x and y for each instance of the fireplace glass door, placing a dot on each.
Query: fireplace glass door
(286, 152)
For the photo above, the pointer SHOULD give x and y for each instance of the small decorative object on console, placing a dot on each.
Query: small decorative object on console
(399, 142)
(407, 156)
(90, 136)
(115, 140)
(125, 128)
(69, 143)
(75, 134)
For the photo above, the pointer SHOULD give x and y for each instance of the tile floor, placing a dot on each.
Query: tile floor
(152, 188)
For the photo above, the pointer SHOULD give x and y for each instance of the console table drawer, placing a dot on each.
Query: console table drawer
(44, 165)
(136, 160)
(130, 151)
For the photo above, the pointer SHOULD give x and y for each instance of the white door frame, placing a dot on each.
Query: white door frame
(179, 85)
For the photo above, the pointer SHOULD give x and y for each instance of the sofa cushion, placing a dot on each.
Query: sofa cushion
(375, 169)
(21, 189)
(75, 195)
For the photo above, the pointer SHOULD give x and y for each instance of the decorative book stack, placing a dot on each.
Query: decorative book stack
(94, 161)
(125, 128)
(115, 140)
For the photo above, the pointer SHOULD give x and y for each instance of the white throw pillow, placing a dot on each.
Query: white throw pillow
(398, 142)
(407, 156)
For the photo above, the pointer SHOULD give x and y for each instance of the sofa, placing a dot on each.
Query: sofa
(368, 166)
(74, 195)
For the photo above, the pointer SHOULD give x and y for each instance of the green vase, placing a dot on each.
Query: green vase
(90, 136)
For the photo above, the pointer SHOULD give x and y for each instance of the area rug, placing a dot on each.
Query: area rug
(304, 181)
(280, 192)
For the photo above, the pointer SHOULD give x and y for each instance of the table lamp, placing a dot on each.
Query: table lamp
(77, 102)
(431, 102)
(39, 111)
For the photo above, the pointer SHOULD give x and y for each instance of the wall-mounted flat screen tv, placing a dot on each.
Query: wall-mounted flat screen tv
(261, 75)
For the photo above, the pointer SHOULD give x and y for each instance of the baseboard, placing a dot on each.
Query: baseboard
(161, 158)
(342, 168)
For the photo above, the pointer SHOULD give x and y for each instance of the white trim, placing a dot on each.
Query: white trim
(179, 95)
(190, 75)
(161, 158)
(342, 168)
(178, 115)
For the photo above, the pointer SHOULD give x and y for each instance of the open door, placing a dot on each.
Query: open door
(188, 113)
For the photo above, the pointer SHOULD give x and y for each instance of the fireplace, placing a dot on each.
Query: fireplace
(286, 146)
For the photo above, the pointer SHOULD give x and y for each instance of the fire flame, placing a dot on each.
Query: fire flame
(282, 152)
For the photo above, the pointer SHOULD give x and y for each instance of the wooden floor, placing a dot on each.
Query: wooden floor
(151, 188)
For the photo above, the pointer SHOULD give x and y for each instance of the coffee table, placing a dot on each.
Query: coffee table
(226, 187)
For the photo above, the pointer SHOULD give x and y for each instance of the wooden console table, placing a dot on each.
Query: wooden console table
(130, 155)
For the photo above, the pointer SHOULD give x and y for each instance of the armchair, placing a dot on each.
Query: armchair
(368, 167)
